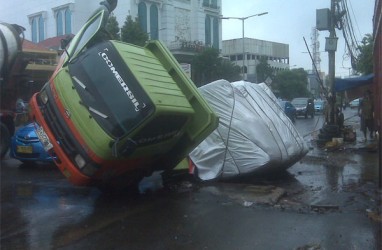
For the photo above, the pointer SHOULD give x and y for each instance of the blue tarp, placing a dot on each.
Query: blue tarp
(351, 83)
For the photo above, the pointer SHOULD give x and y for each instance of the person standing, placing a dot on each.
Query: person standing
(366, 112)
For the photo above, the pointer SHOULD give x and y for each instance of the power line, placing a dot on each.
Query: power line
(346, 25)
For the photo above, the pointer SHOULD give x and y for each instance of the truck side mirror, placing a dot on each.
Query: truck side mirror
(64, 42)
(110, 4)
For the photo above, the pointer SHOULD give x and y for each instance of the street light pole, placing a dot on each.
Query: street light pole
(242, 20)
(243, 71)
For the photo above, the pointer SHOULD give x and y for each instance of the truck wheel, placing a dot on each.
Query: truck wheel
(5, 140)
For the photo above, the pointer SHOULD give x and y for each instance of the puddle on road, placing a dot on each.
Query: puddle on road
(337, 178)
(336, 171)
(37, 211)
(246, 194)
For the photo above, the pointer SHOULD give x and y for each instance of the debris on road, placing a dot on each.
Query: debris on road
(374, 215)
(324, 207)
(310, 247)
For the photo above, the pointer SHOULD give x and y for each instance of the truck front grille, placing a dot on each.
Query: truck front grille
(58, 126)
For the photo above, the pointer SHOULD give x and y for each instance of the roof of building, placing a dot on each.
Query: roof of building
(29, 45)
(54, 42)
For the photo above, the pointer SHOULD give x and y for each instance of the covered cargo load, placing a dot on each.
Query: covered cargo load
(254, 134)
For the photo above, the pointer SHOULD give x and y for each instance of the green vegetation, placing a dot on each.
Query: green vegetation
(289, 84)
(131, 32)
(264, 70)
(364, 64)
(112, 27)
(208, 67)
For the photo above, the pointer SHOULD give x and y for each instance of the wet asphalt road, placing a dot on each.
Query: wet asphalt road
(328, 200)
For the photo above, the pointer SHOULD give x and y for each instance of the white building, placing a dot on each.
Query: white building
(185, 26)
(277, 55)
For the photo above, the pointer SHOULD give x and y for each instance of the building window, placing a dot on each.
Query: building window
(59, 23)
(38, 28)
(210, 3)
(215, 33)
(208, 31)
(41, 29)
(34, 30)
(68, 21)
(214, 4)
(212, 31)
(142, 16)
(63, 21)
(154, 29)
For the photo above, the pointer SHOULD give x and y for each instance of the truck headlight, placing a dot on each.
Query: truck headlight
(86, 168)
(80, 161)
(44, 97)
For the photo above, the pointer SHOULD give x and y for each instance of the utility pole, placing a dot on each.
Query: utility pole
(331, 47)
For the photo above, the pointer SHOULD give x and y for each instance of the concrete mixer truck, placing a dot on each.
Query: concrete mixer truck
(11, 38)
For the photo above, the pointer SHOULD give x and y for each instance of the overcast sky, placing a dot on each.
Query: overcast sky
(289, 21)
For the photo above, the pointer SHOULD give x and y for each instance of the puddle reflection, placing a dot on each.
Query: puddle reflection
(41, 211)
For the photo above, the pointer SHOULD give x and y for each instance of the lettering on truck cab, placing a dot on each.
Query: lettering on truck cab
(120, 80)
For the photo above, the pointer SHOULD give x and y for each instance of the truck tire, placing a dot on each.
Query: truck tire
(5, 138)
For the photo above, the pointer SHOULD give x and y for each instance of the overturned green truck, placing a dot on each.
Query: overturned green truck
(113, 112)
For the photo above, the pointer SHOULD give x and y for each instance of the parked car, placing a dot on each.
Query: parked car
(304, 106)
(354, 103)
(26, 146)
(319, 106)
(289, 109)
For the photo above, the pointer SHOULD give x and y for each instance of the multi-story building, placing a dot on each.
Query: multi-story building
(277, 55)
(185, 26)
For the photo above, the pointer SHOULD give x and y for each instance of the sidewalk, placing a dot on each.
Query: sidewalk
(352, 121)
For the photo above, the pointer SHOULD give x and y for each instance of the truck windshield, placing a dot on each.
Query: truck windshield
(109, 90)
(85, 35)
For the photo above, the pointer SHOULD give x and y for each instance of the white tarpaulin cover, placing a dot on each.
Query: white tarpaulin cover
(253, 135)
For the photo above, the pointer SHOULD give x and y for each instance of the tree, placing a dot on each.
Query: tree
(131, 32)
(112, 27)
(364, 64)
(227, 70)
(208, 66)
(263, 70)
(289, 84)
